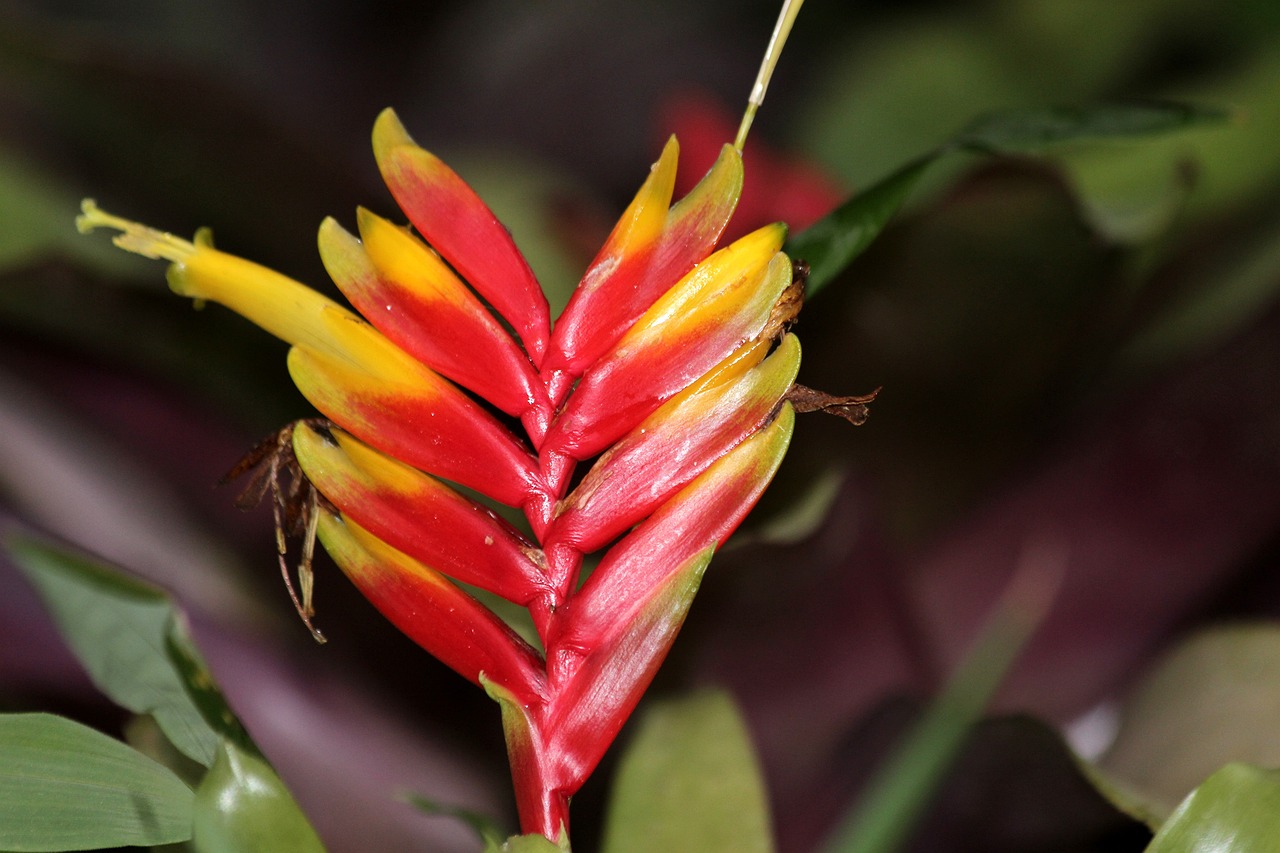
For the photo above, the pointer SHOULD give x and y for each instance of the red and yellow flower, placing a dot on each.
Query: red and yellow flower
(669, 368)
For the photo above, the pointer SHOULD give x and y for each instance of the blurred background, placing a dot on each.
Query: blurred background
(1079, 351)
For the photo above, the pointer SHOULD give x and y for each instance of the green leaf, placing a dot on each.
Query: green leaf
(1236, 810)
(133, 643)
(1215, 699)
(901, 790)
(484, 826)
(689, 781)
(242, 805)
(36, 211)
(830, 244)
(64, 786)
(1029, 130)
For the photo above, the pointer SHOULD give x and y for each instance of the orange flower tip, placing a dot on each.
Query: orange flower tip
(138, 238)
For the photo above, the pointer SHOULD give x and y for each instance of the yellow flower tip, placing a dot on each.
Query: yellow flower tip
(389, 133)
(367, 220)
(670, 154)
(763, 243)
(138, 238)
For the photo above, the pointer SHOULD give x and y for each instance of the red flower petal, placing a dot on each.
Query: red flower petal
(436, 614)
(640, 262)
(724, 302)
(453, 219)
(422, 420)
(412, 297)
(419, 515)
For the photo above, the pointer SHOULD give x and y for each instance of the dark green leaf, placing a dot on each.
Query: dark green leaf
(1236, 810)
(483, 825)
(830, 244)
(118, 627)
(1021, 131)
(64, 786)
(242, 805)
(833, 242)
(689, 780)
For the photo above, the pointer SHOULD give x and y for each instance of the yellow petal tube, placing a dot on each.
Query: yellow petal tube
(286, 308)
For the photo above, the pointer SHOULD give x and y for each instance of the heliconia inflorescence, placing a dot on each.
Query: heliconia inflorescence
(669, 371)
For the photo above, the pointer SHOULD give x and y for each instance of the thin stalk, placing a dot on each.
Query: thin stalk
(782, 29)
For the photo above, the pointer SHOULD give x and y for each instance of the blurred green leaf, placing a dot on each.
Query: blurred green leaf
(35, 213)
(889, 95)
(242, 805)
(484, 826)
(118, 627)
(64, 786)
(1236, 810)
(1031, 130)
(833, 242)
(1213, 700)
(689, 781)
(1198, 173)
(901, 790)
(132, 642)
(1230, 289)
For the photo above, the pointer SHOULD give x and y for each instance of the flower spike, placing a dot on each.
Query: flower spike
(671, 374)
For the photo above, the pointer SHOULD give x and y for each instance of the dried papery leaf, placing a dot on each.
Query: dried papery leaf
(787, 308)
(852, 409)
(295, 503)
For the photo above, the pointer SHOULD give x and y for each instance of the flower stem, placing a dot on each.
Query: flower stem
(782, 29)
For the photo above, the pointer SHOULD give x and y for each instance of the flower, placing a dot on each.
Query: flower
(670, 368)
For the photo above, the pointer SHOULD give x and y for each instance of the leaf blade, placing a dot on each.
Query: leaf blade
(1235, 810)
(119, 629)
(690, 780)
(832, 243)
(64, 786)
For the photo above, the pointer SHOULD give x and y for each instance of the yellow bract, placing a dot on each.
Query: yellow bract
(696, 295)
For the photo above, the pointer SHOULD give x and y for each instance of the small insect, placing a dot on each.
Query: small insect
(295, 503)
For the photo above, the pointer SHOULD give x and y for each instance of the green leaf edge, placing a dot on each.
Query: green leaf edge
(832, 243)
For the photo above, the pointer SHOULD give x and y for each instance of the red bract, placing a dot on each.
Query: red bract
(660, 366)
